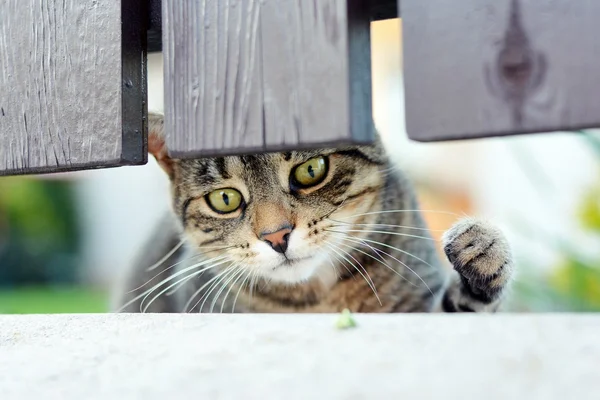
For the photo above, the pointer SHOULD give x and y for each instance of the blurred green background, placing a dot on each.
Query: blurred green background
(40, 248)
(573, 284)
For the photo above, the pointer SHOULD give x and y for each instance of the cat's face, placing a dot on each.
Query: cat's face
(280, 216)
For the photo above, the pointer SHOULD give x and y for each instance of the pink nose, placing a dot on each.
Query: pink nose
(278, 240)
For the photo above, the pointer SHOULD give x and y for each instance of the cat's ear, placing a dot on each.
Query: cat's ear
(156, 142)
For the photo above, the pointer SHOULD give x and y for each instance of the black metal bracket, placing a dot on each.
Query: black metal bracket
(384, 9)
(154, 26)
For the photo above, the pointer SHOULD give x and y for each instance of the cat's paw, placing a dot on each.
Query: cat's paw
(481, 255)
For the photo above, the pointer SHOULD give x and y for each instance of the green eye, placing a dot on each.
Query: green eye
(224, 200)
(310, 173)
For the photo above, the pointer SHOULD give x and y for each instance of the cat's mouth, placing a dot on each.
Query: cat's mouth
(295, 270)
(290, 262)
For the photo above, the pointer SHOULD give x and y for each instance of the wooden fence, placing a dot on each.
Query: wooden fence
(247, 76)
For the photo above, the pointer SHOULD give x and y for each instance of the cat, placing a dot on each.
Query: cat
(307, 231)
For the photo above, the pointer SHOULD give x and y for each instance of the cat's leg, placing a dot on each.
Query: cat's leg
(481, 257)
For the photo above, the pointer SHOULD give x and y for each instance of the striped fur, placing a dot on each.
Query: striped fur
(357, 242)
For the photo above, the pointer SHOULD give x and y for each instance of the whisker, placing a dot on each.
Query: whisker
(341, 262)
(238, 271)
(409, 268)
(163, 271)
(343, 265)
(154, 266)
(229, 271)
(248, 275)
(368, 280)
(211, 249)
(338, 258)
(193, 296)
(215, 247)
(394, 258)
(399, 211)
(359, 263)
(166, 257)
(342, 223)
(384, 232)
(170, 278)
(385, 172)
(388, 169)
(351, 256)
(211, 282)
(231, 285)
(381, 261)
(187, 278)
(176, 288)
(392, 247)
(255, 276)
(336, 271)
(180, 282)
(183, 271)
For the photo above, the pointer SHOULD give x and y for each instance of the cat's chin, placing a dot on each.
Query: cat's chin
(300, 270)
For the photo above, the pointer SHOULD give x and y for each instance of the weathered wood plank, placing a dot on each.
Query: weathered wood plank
(378, 10)
(72, 85)
(213, 96)
(247, 76)
(479, 68)
(305, 61)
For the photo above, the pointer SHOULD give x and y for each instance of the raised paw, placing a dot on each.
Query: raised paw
(481, 255)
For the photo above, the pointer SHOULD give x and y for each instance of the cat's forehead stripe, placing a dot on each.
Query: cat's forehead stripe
(220, 167)
(208, 171)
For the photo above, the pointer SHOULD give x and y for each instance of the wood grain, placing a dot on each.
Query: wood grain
(250, 76)
(378, 10)
(479, 68)
(72, 87)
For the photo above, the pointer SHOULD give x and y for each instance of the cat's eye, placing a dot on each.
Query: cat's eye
(310, 173)
(224, 200)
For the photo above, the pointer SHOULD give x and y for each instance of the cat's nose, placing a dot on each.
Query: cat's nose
(278, 240)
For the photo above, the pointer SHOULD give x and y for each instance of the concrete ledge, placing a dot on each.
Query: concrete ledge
(299, 357)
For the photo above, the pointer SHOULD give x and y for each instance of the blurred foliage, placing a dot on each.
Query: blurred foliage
(39, 235)
(52, 300)
(589, 214)
(577, 279)
(577, 284)
(574, 283)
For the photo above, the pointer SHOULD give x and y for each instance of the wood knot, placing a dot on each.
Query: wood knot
(518, 69)
(515, 69)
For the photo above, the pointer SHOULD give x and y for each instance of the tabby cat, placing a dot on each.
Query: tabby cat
(307, 231)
